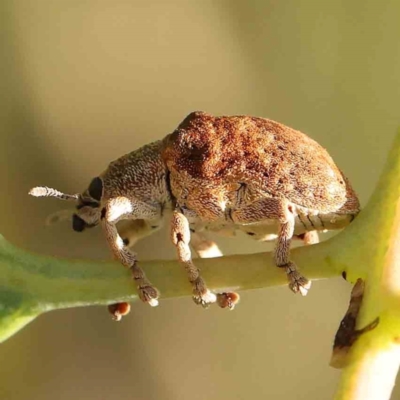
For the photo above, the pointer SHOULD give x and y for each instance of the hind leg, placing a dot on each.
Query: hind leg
(284, 212)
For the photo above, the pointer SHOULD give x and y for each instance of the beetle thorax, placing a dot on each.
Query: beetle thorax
(140, 175)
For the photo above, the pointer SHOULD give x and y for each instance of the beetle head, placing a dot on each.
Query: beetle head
(88, 207)
(88, 211)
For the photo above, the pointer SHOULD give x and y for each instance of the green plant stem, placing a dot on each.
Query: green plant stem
(32, 284)
(373, 365)
(375, 357)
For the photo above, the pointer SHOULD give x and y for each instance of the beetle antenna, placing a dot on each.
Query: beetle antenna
(44, 191)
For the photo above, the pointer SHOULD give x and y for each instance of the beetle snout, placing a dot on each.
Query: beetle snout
(78, 224)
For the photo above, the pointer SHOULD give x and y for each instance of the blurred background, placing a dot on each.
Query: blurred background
(83, 82)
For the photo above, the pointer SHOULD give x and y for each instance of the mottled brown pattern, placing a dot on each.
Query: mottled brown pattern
(262, 154)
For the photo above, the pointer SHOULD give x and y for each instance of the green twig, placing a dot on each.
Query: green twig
(374, 250)
(32, 284)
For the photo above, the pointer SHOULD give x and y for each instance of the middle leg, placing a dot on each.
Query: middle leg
(180, 235)
(206, 248)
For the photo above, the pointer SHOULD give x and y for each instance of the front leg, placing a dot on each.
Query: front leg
(180, 235)
(284, 212)
(115, 210)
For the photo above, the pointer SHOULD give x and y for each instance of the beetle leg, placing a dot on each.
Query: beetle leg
(132, 230)
(206, 248)
(282, 211)
(180, 235)
(115, 210)
(297, 282)
(310, 237)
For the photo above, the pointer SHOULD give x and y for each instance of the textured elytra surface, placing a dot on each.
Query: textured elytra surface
(216, 156)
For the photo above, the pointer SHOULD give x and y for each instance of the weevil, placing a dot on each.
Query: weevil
(221, 174)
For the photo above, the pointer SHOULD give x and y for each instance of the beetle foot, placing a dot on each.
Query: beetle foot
(228, 300)
(118, 310)
(297, 282)
(205, 300)
(146, 291)
(149, 294)
(201, 295)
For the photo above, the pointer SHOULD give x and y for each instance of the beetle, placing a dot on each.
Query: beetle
(221, 174)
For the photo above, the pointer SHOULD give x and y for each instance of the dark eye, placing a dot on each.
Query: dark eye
(78, 224)
(95, 189)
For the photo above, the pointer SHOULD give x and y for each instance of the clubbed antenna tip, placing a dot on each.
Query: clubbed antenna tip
(43, 191)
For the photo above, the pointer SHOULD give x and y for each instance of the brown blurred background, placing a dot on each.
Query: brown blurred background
(83, 82)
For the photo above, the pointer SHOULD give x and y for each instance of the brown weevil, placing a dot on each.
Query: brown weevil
(220, 174)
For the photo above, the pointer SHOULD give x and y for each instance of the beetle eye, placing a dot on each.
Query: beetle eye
(95, 189)
(78, 224)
